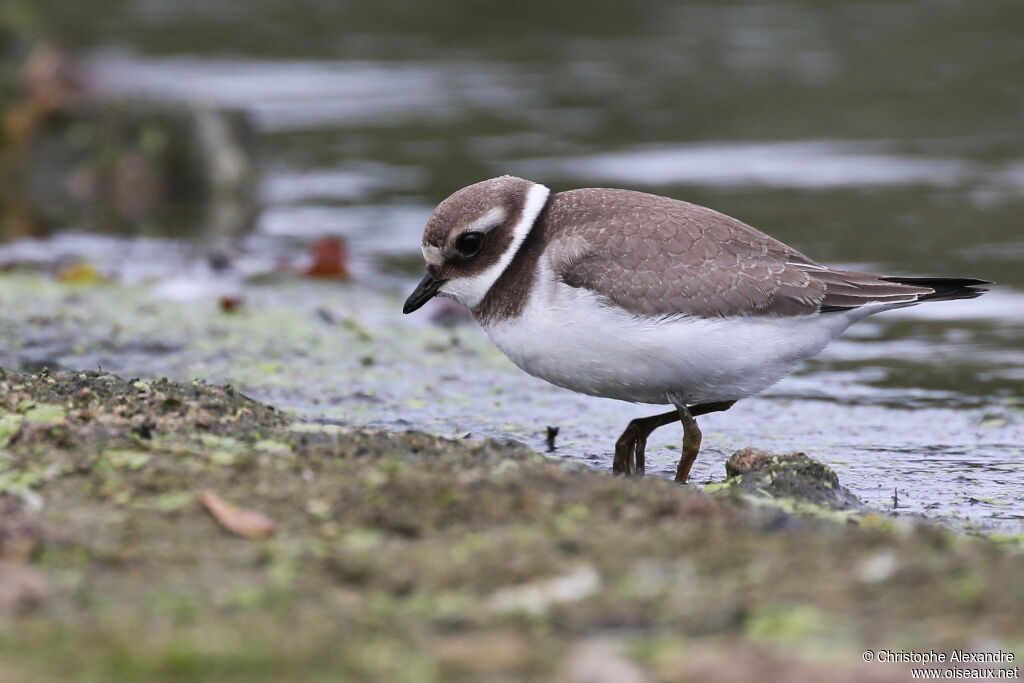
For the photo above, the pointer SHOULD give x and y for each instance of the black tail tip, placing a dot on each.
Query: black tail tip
(946, 288)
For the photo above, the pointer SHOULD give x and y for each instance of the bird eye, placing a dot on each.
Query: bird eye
(469, 244)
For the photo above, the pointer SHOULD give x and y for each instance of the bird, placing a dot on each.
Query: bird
(646, 299)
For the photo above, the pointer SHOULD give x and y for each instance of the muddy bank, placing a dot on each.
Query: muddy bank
(409, 557)
(342, 352)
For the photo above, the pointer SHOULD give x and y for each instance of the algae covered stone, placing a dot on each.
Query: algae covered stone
(789, 475)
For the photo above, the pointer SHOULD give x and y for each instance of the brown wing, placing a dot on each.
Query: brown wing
(656, 256)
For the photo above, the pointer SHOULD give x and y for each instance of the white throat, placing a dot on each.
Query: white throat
(470, 291)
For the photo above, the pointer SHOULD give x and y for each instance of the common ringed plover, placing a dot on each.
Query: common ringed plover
(645, 299)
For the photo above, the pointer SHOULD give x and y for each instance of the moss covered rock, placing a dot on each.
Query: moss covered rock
(790, 475)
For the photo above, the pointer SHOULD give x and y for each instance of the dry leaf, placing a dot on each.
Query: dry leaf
(81, 273)
(240, 521)
(330, 259)
(230, 304)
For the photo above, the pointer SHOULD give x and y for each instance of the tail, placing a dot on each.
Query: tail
(944, 288)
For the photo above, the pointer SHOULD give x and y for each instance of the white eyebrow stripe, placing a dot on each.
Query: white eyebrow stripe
(490, 220)
(432, 255)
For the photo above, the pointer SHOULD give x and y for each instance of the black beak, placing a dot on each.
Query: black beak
(423, 293)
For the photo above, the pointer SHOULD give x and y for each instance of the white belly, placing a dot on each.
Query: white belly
(567, 337)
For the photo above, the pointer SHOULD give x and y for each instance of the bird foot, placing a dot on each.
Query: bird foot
(629, 452)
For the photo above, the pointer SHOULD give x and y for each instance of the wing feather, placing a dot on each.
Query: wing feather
(656, 256)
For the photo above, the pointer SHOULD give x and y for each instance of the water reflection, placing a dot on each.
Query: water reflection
(805, 165)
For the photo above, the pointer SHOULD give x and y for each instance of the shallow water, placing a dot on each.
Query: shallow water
(877, 136)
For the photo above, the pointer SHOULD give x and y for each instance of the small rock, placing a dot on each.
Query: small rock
(790, 475)
(482, 653)
(600, 660)
(21, 530)
(537, 597)
(878, 567)
(22, 588)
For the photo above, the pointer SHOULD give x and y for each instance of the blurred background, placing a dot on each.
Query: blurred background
(151, 140)
(885, 132)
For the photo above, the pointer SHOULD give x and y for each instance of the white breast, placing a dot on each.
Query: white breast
(568, 337)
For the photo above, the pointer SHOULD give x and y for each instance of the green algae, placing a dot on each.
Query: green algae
(45, 413)
(10, 423)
